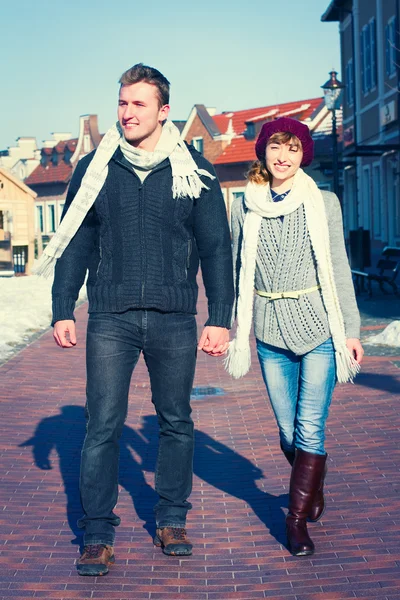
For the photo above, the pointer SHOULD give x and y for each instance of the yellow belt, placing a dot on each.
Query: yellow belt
(279, 295)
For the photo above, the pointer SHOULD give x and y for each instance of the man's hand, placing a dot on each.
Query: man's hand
(356, 350)
(64, 334)
(214, 341)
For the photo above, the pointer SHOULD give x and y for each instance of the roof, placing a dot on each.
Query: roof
(50, 173)
(335, 12)
(207, 120)
(180, 125)
(241, 149)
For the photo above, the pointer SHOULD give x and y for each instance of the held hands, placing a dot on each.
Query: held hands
(356, 350)
(64, 334)
(214, 341)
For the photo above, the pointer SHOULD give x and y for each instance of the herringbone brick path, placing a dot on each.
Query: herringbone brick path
(239, 497)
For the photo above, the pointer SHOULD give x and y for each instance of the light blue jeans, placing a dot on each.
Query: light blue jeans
(300, 389)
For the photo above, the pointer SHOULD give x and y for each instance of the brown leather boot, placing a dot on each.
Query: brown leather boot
(95, 560)
(173, 541)
(318, 505)
(304, 482)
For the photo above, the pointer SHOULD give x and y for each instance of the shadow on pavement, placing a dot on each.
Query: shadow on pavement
(215, 463)
(381, 308)
(376, 381)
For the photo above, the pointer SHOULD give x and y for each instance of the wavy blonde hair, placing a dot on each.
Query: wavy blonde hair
(258, 172)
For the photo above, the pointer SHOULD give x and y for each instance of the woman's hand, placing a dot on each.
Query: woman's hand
(354, 346)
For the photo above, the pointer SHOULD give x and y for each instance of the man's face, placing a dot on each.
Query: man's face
(140, 114)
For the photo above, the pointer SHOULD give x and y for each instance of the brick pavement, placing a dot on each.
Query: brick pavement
(239, 497)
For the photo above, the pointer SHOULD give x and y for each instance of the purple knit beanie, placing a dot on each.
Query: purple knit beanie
(283, 125)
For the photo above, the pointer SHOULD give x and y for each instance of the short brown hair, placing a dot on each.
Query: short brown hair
(141, 72)
(258, 172)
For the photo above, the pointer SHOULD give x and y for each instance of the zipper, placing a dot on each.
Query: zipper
(189, 253)
(142, 243)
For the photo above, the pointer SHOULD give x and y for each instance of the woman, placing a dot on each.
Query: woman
(288, 245)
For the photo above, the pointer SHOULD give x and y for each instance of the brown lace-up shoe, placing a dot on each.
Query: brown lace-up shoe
(173, 541)
(95, 560)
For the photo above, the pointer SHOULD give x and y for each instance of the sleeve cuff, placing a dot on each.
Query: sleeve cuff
(63, 309)
(219, 315)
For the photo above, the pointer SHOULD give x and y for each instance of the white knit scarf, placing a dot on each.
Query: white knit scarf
(185, 182)
(259, 202)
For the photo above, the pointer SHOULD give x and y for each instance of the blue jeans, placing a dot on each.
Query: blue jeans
(300, 389)
(114, 342)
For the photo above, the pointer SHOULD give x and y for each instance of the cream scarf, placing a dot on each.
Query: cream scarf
(185, 182)
(260, 205)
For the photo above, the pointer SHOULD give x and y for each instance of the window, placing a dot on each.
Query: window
(349, 83)
(1, 219)
(390, 47)
(60, 211)
(197, 142)
(51, 218)
(250, 131)
(39, 219)
(368, 57)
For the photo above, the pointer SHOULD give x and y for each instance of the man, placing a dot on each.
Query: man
(141, 212)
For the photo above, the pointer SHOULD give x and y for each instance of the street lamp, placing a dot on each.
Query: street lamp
(333, 96)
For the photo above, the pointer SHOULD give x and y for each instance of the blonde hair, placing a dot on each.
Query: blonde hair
(258, 172)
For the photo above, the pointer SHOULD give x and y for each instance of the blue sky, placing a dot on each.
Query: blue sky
(62, 59)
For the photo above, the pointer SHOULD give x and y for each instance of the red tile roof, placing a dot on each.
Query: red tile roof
(241, 149)
(60, 173)
(240, 117)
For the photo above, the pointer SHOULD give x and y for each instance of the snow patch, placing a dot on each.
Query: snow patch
(25, 309)
(390, 336)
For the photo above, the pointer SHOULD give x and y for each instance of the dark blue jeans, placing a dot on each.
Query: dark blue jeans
(114, 342)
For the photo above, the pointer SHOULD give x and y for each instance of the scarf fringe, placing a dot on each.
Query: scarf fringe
(238, 360)
(45, 266)
(188, 185)
(346, 365)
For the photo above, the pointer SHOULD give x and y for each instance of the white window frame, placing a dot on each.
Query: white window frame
(60, 208)
(197, 139)
(37, 225)
(49, 206)
(368, 56)
(350, 82)
(390, 48)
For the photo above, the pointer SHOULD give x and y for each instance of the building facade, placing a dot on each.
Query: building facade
(370, 55)
(17, 230)
(50, 179)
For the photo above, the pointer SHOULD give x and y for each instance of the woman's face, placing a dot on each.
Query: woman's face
(283, 160)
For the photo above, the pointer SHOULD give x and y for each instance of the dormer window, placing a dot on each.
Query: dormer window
(250, 132)
(54, 159)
